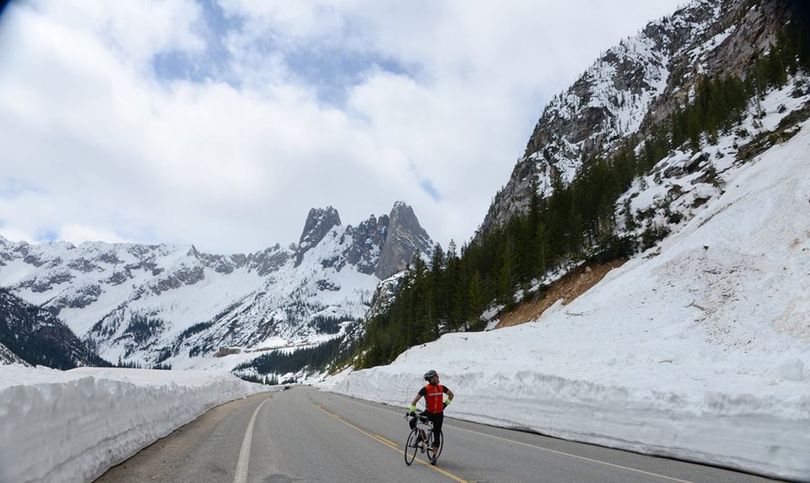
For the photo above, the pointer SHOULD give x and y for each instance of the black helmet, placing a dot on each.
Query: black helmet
(429, 374)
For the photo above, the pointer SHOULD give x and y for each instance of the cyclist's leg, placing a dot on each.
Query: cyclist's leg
(438, 419)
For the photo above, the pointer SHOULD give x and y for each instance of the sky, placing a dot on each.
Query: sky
(220, 123)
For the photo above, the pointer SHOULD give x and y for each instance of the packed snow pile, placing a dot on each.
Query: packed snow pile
(73, 425)
(697, 349)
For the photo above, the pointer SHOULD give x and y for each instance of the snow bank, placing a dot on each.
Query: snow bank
(73, 425)
(700, 351)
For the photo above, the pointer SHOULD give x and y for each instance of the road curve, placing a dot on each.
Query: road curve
(307, 435)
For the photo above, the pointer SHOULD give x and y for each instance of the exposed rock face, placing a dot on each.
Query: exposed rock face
(368, 238)
(83, 265)
(57, 277)
(318, 224)
(269, 260)
(85, 296)
(633, 86)
(5, 246)
(181, 277)
(405, 237)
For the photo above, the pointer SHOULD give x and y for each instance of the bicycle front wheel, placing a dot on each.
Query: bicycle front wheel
(411, 447)
(435, 455)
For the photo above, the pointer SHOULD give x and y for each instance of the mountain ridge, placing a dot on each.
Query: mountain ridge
(151, 303)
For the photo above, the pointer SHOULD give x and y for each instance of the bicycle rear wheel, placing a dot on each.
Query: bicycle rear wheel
(435, 456)
(411, 447)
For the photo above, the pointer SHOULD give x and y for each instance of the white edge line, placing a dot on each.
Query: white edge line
(563, 453)
(554, 451)
(244, 453)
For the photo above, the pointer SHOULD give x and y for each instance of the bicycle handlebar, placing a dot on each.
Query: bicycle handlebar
(421, 417)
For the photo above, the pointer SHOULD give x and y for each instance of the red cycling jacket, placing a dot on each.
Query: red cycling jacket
(434, 398)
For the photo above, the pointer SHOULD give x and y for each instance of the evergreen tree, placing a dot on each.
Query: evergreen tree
(505, 271)
(474, 299)
(577, 220)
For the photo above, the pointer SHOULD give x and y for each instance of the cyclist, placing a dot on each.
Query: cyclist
(433, 392)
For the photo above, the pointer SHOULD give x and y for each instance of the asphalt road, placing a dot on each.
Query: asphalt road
(307, 435)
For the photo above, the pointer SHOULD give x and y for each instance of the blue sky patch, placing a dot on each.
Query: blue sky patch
(333, 72)
(212, 64)
(427, 187)
(47, 235)
(330, 70)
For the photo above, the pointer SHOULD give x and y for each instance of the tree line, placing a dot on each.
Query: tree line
(576, 222)
(281, 362)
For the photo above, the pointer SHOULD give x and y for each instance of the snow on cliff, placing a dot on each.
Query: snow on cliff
(697, 349)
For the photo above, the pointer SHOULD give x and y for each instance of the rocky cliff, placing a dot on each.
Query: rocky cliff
(636, 85)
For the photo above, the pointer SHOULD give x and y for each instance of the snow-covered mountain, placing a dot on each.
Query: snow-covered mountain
(698, 347)
(636, 84)
(32, 335)
(159, 303)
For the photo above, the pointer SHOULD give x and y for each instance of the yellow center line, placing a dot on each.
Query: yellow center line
(388, 441)
(385, 441)
(547, 450)
(390, 444)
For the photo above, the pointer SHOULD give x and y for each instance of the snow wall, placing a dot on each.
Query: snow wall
(74, 425)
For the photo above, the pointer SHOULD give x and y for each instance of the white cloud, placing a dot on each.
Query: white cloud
(134, 30)
(105, 148)
(79, 233)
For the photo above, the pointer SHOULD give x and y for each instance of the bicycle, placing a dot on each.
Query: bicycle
(421, 440)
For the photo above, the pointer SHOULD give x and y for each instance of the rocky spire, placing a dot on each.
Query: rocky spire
(404, 237)
(319, 222)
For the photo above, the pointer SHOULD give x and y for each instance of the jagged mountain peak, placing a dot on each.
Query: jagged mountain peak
(321, 216)
(319, 222)
(401, 212)
(192, 252)
(404, 238)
